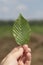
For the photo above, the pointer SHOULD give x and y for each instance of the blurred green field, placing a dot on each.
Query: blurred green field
(6, 30)
(37, 29)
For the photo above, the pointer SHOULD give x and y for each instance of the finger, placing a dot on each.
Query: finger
(14, 50)
(20, 63)
(28, 62)
(26, 48)
(18, 53)
(28, 59)
(23, 59)
(29, 56)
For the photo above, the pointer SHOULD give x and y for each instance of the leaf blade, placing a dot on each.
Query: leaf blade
(21, 30)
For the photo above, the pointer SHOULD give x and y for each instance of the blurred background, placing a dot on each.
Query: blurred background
(32, 10)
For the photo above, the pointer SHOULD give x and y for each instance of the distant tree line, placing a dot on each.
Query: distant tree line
(6, 23)
(36, 22)
(31, 22)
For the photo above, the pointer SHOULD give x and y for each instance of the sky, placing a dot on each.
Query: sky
(30, 9)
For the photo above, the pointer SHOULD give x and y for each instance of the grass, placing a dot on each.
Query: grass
(37, 29)
(6, 30)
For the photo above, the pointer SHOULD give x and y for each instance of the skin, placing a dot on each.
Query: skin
(18, 56)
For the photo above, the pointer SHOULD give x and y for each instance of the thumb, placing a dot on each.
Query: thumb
(18, 53)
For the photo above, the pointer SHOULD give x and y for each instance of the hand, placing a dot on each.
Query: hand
(18, 56)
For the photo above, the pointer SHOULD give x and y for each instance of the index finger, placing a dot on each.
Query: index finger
(26, 48)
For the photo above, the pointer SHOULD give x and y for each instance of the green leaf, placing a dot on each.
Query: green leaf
(21, 30)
